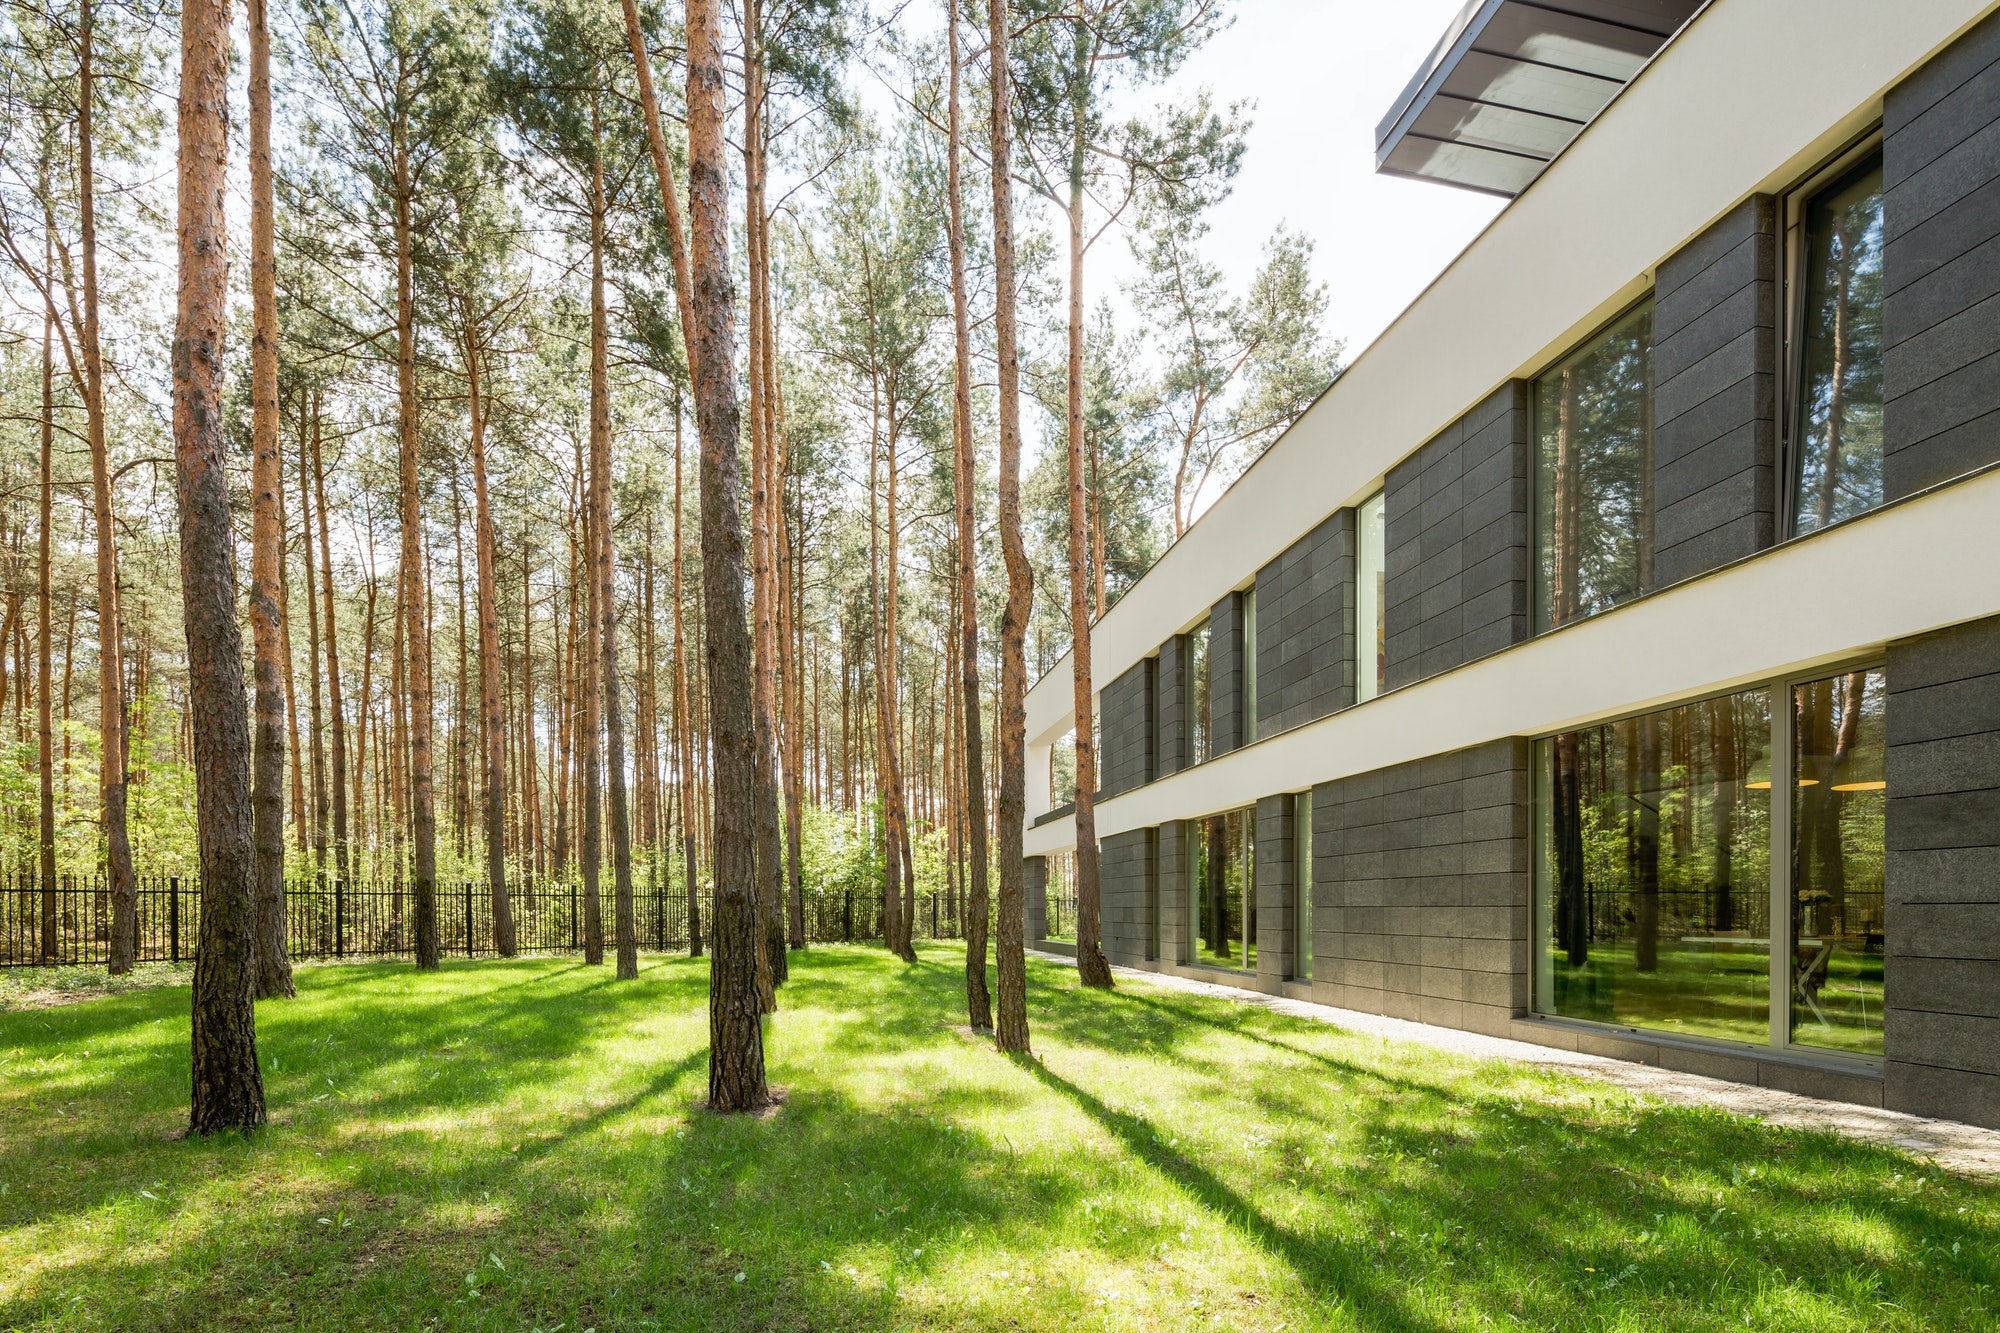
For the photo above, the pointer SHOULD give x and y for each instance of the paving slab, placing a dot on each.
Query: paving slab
(1962, 1149)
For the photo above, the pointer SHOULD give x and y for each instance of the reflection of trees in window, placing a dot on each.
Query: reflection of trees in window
(1594, 479)
(1224, 873)
(1840, 382)
(1837, 844)
(1198, 700)
(1654, 828)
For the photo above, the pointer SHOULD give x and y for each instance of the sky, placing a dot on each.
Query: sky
(1322, 74)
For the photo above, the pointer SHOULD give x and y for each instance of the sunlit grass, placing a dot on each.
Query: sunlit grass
(519, 1146)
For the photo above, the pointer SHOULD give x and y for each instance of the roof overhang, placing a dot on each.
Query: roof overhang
(1512, 82)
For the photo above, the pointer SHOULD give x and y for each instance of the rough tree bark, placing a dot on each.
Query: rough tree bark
(340, 852)
(413, 603)
(604, 572)
(267, 531)
(1011, 1029)
(492, 703)
(736, 1038)
(114, 740)
(1092, 967)
(770, 845)
(228, 1086)
(978, 1000)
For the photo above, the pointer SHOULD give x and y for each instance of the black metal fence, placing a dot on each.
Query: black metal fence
(68, 920)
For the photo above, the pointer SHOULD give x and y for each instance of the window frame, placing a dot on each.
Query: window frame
(1537, 594)
(1247, 618)
(1301, 968)
(1370, 635)
(1784, 767)
(1793, 207)
(1780, 745)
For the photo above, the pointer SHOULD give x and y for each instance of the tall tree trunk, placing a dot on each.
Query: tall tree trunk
(413, 602)
(892, 847)
(770, 847)
(267, 530)
(492, 704)
(340, 838)
(45, 646)
(684, 732)
(736, 1039)
(604, 565)
(973, 917)
(1011, 1029)
(114, 745)
(1091, 965)
(586, 664)
(228, 1086)
(316, 734)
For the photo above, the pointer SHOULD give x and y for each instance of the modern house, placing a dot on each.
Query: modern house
(1610, 659)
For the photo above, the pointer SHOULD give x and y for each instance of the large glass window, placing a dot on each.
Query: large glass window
(1837, 430)
(1593, 475)
(1197, 687)
(1222, 862)
(1653, 873)
(1838, 804)
(1302, 886)
(1371, 600)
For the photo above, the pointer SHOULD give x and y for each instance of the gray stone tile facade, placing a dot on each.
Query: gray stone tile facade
(1941, 266)
(1460, 567)
(1225, 675)
(1421, 889)
(1125, 869)
(1305, 628)
(1126, 730)
(1941, 1029)
(1715, 361)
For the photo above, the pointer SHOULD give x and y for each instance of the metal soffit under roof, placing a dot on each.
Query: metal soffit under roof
(1512, 82)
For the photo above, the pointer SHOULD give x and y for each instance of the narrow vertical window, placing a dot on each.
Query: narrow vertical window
(1594, 474)
(1153, 923)
(1302, 886)
(1839, 802)
(1371, 601)
(1197, 697)
(1837, 463)
(1249, 666)
(1222, 881)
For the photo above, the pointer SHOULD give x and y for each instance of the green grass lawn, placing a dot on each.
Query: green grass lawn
(519, 1146)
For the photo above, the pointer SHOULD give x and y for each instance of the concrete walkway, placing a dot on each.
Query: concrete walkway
(1963, 1149)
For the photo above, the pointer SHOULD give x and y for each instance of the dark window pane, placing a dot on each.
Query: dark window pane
(1837, 835)
(1653, 877)
(1593, 475)
(1198, 701)
(1220, 889)
(1302, 885)
(1839, 428)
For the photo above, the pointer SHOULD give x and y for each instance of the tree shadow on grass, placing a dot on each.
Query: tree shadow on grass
(1331, 1271)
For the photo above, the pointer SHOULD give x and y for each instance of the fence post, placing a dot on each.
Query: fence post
(572, 915)
(339, 917)
(659, 908)
(468, 918)
(174, 917)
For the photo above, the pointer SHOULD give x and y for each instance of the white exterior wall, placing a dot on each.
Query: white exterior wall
(1747, 99)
